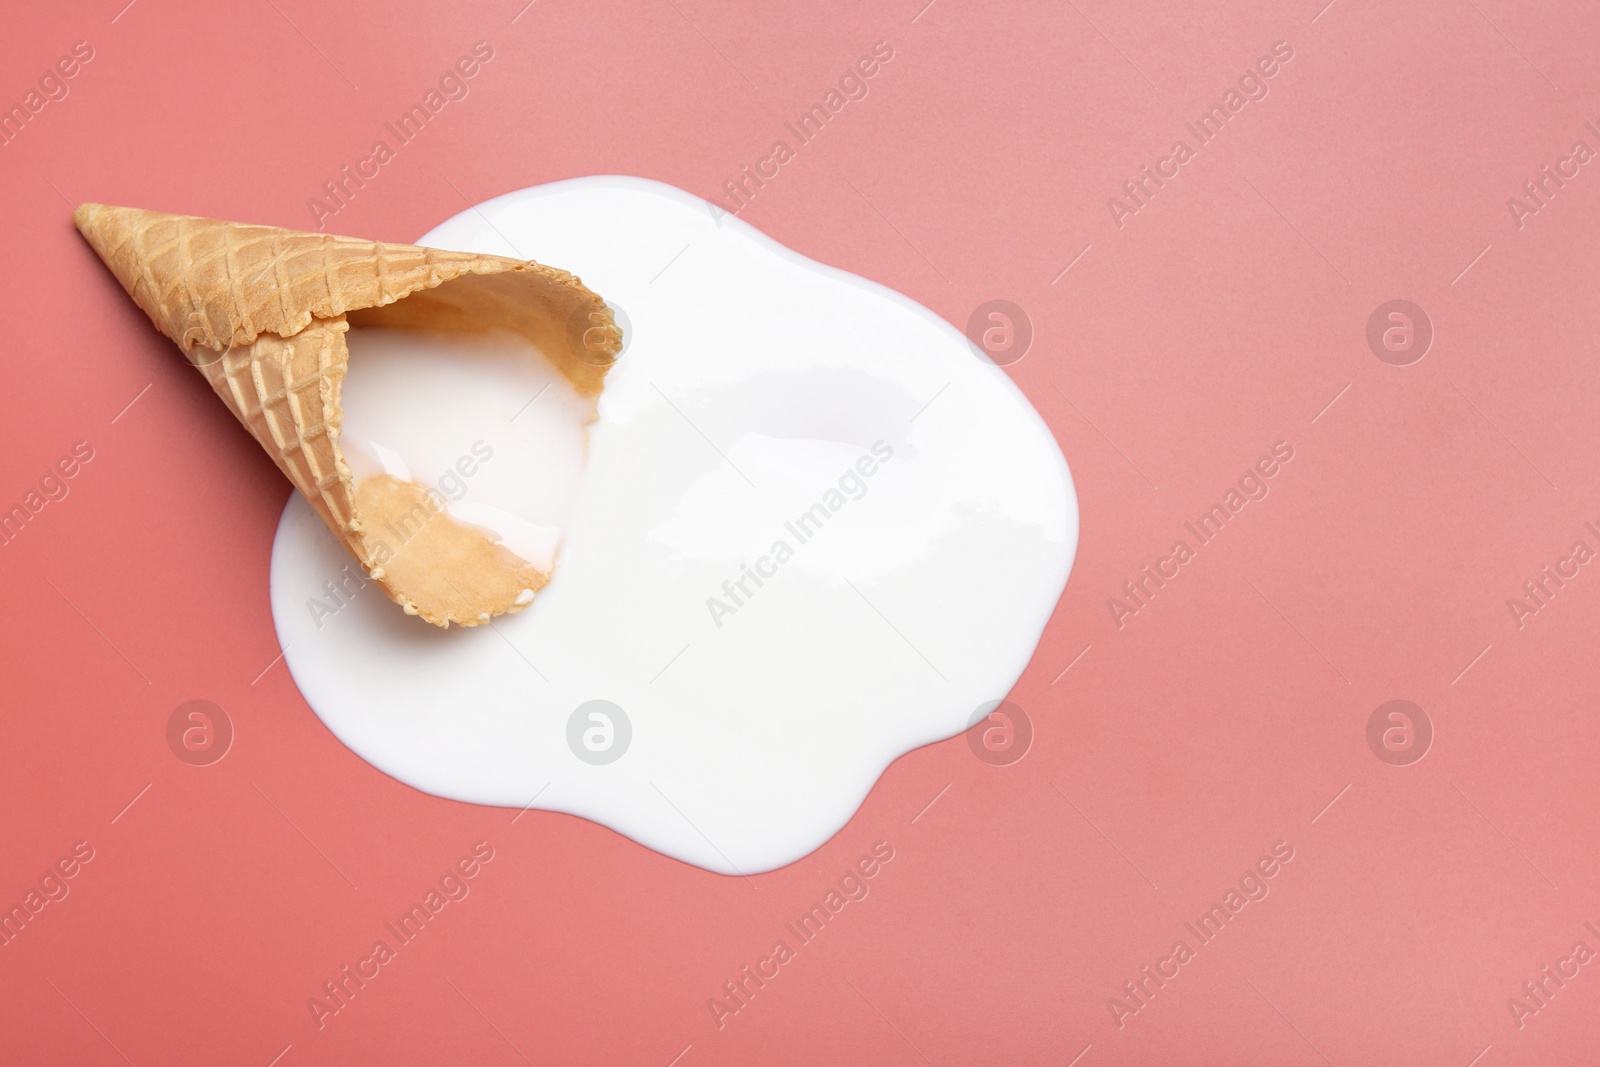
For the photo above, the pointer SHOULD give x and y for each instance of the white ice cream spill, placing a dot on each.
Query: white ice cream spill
(814, 531)
(482, 419)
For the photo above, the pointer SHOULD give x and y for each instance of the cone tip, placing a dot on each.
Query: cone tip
(81, 216)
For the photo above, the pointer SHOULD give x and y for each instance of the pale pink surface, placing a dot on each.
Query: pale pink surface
(1222, 718)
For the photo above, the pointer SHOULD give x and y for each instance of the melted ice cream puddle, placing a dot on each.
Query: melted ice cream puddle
(483, 419)
(815, 531)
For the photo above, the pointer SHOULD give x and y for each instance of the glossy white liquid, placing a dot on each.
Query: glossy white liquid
(756, 386)
(482, 419)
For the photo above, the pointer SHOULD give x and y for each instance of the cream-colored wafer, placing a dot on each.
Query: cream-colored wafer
(263, 312)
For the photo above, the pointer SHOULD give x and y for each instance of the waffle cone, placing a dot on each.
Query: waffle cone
(263, 312)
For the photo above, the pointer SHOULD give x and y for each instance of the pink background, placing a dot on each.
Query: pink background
(1224, 717)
